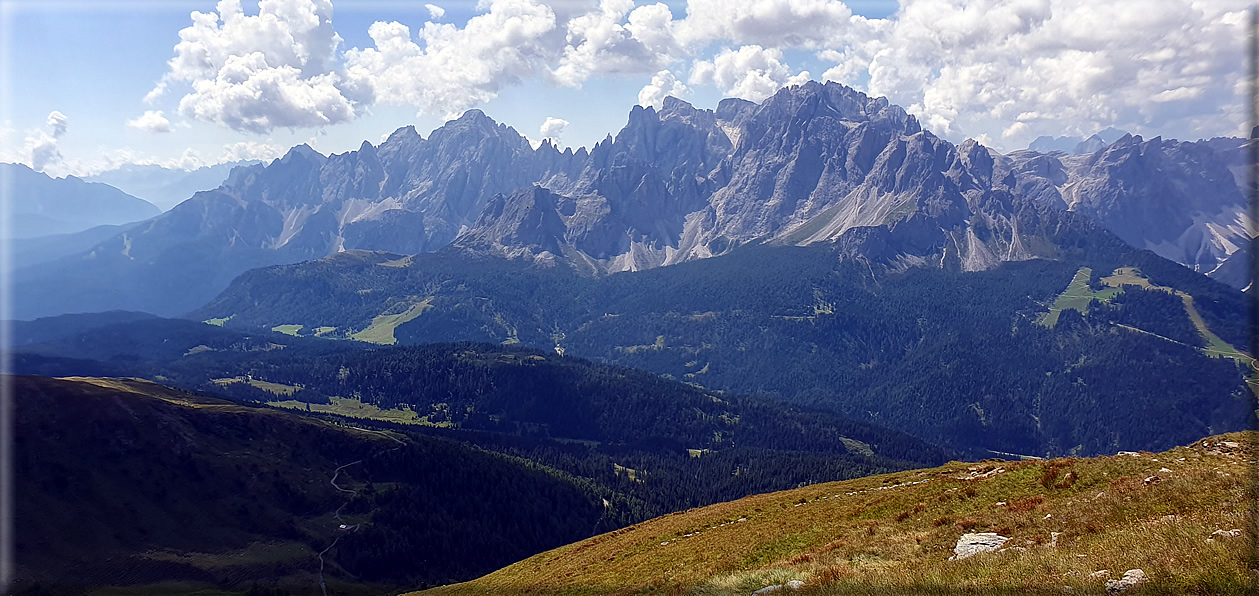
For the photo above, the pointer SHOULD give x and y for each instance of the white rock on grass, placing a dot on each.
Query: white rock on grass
(970, 545)
(1131, 579)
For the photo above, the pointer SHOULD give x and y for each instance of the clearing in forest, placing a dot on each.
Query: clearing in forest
(1079, 295)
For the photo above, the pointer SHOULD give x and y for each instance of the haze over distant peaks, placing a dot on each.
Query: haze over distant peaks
(163, 186)
(1076, 145)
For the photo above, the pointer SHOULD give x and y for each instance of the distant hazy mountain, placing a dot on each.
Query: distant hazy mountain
(42, 249)
(41, 205)
(1076, 145)
(409, 195)
(166, 187)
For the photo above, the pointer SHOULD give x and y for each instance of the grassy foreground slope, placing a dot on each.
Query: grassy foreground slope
(1067, 520)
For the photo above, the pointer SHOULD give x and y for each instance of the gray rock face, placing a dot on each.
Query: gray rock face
(814, 163)
(527, 223)
(970, 545)
(1180, 200)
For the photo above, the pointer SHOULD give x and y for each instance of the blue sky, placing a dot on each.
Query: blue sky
(1003, 72)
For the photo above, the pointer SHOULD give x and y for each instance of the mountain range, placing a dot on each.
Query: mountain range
(1076, 145)
(1006, 360)
(814, 163)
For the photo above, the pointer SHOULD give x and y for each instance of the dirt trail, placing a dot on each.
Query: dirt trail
(344, 529)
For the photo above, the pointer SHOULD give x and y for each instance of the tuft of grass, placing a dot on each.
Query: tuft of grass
(746, 582)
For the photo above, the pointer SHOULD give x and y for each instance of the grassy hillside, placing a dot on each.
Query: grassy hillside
(1067, 521)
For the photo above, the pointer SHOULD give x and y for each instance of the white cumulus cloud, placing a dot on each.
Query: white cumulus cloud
(151, 121)
(602, 42)
(246, 150)
(57, 122)
(795, 23)
(553, 129)
(277, 68)
(993, 69)
(448, 69)
(752, 72)
(39, 148)
(972, 69)
(662, 85)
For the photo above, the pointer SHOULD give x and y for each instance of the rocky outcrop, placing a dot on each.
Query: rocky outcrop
(971, 544)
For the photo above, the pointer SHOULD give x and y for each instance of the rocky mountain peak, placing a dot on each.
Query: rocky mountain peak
(402, 135)
(302, 152)
(733, 109)
(1178, 199)
(833, 100)
(474, 128)
(526, 223)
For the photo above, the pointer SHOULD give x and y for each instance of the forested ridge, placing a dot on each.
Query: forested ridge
(951, 357)
(587, 464)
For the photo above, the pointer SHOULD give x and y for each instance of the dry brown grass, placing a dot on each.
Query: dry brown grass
(894, 534)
